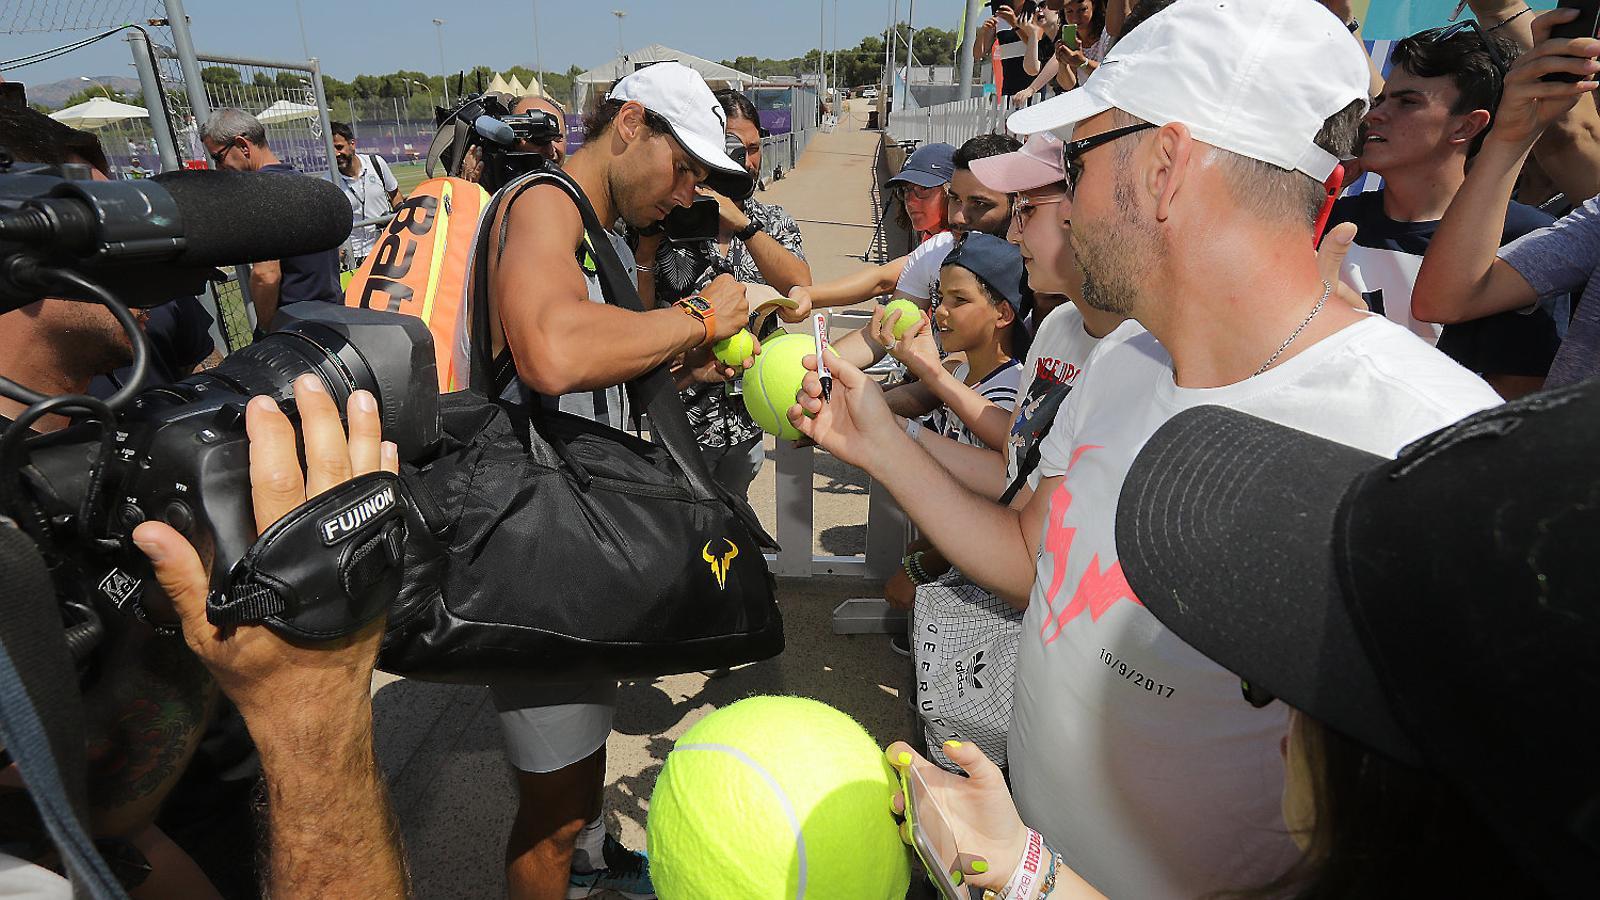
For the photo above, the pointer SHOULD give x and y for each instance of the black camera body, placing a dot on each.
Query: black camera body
(179, 453)
(536, 127)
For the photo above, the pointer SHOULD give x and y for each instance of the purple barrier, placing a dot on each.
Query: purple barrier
(777, 121)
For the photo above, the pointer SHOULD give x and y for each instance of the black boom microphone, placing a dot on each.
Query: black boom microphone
(182, 223)
(238, 217)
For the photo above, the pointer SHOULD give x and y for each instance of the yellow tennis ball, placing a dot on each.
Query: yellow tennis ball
(910, 314)
(771, 384)
(735, 349)
(774, 798)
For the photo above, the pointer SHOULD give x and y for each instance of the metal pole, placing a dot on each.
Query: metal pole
(538, 53)
(964, 63)
(322, 113)
(822, 47)
(178, 21)
(438, 27)
(838, 97)
(622, 49)
(888, 94)
(305, 48)
(154, 101)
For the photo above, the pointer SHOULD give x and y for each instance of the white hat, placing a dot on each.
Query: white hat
(678, 94)
(1255, 77)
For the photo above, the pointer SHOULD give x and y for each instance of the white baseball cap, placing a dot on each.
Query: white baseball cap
(679, 95)
(1255, 77)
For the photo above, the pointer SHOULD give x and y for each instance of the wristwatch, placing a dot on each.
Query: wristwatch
(749, 231)
(700, 308)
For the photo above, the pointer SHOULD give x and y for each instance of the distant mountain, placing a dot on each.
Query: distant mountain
(55, 94)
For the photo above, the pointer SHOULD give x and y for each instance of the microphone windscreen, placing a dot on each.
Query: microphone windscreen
(241, 217)
(492, 129)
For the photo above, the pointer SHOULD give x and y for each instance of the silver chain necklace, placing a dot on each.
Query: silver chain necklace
(1327, 289)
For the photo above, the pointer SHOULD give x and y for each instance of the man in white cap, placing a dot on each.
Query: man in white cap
(1197, 156)
(657, 135)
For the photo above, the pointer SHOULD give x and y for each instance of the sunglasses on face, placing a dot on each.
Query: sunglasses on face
(1022, 209)
(1073, 151)
(220, 155)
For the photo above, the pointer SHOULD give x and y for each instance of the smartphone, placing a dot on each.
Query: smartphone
(1586, 25)
(699, 222)
(931, 835)
(1069, 36)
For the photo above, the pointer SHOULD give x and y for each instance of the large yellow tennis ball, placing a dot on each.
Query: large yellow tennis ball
(774, 798)
(771, 384)
(910, 314)
(734, 349)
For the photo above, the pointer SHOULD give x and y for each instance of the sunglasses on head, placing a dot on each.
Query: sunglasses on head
(1440, 35)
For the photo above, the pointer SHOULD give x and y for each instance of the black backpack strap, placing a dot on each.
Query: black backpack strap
(36, 673)
(1049, 409)
(654, 392)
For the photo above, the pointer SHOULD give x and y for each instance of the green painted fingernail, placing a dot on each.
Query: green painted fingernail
(954, 745)
(980, 867)
(904, 759)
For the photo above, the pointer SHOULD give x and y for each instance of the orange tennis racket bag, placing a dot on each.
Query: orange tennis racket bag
(421, 264)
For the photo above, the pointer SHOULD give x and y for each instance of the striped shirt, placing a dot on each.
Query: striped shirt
(998, 387)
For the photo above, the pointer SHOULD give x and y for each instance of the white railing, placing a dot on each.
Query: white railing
(954, 123)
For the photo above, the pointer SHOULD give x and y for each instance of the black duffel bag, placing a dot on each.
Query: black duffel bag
(560, 549)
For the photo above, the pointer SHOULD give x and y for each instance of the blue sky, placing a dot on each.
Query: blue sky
(351, 37)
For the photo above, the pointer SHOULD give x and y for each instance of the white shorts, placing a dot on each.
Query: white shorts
(548, 727)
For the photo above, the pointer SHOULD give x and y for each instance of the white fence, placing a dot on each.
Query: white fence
(954, 123)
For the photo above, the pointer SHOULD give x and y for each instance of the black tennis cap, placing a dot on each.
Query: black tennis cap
(1442, 608)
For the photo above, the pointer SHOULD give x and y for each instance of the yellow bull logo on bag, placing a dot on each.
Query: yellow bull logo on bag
(719, 565)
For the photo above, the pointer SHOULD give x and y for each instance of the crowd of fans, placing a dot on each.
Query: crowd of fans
(1181, 463)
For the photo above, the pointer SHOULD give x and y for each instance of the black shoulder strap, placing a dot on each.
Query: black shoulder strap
(653, 392)
(36, 673)
(1048, 409)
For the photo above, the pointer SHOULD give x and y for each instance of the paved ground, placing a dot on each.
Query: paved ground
(440, 744)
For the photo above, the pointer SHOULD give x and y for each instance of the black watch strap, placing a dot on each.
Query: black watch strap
(749, 231)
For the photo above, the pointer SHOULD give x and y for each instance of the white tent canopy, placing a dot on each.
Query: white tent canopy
(499, 85)
(717, 75)
(286, 111)
(98, 113)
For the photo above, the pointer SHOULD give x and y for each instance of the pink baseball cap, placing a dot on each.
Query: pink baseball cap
(1037, 164)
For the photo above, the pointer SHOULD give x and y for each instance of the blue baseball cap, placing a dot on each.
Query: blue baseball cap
(997, 263)
(931, 166)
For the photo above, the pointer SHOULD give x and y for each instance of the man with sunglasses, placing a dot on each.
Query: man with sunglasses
(1134, 756)
(237, 142)
(1430, 119)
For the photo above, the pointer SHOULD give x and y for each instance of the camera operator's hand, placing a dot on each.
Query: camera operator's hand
(733, 218)
(265, 675)
(727, 299)
(308, 708)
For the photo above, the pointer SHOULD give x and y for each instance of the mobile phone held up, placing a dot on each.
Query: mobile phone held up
(1586, 25)
(1069, 36)
(931, 835)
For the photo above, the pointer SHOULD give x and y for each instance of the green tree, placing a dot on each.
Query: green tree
(263, 80)
(221, 75)
(93, 91)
